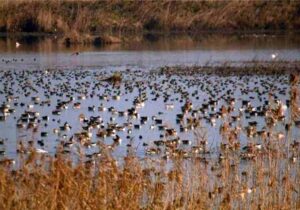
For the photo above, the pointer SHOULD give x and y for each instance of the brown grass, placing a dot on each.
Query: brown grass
(270, 181)
(78, 20)
(92, 16)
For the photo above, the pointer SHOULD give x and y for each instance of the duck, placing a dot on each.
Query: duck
(117, 139)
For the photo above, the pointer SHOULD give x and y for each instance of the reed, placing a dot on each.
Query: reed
(270, 181)
(92, 16)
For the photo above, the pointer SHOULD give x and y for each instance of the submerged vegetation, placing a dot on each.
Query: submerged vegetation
(79, 20)
(254, 163)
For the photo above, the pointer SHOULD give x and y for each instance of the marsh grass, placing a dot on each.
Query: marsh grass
(270, 181)
(90, 16)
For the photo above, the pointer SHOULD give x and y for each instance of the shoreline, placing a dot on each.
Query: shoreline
(129, 37)
(79, 20)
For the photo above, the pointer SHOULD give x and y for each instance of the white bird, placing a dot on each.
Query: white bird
(274, 55)
(17, 44)
(41, 151)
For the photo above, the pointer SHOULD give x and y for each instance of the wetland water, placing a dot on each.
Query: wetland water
(150, 51)
(50, 97)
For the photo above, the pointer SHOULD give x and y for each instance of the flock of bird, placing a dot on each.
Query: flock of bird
(161, 113)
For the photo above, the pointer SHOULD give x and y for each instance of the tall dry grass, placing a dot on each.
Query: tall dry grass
(270, 181)
(87, 17)
(91, 16)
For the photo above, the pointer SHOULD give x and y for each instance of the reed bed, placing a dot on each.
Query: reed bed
(92, 16)
(270, 180)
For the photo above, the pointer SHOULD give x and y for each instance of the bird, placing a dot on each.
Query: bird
(37, 150)
(75, 53)
(274, 55)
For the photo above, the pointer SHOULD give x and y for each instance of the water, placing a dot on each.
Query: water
(149, 51)
(23, 76)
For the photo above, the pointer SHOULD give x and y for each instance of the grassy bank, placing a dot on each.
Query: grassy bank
(75, 18)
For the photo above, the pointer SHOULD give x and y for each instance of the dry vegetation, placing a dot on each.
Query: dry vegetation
(78, 18)
(256, 177)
